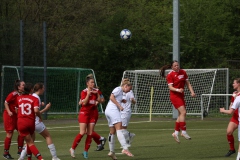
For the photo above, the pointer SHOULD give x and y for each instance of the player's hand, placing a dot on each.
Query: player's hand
(48, 105)
(193, 94)
(124, 101)
(43, 104)
(181, 90)
(121, 108)
(94, 92)
(10, 113)
(222, 110)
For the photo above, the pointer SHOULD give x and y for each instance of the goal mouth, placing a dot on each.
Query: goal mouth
(203, 81)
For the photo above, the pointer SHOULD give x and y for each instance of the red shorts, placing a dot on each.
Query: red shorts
(177, 101)
(10, 122)
(26, 126)
(86, 117)
(234, 120)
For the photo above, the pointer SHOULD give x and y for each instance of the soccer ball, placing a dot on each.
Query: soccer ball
(125, 34)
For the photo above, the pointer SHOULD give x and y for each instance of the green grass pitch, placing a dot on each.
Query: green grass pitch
(153, 140)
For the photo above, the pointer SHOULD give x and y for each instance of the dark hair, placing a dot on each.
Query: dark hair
(17, 83)
(27, 88)
(38, 86)
(165, 67)
(237, 79)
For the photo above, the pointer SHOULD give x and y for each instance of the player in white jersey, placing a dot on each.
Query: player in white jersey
(128, 99)
(113, 116)
(235, 105)
(39, 126)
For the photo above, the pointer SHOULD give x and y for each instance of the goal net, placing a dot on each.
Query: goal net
(63, 85)
(204, 81)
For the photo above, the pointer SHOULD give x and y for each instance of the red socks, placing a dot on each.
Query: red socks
(7, 143)
(76, 141)
(35, 151)
(183, 126)
(177, 126)
(96, 137)
(20, 143)
(230, 139)
(88, 142)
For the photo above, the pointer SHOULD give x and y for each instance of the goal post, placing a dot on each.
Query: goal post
(203, 81)
(63, 85)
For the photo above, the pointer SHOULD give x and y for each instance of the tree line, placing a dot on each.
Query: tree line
(85, 34)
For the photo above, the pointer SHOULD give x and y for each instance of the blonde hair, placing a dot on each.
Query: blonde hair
(90, 76)
(126, 81)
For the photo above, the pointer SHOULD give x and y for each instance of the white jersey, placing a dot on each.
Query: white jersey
(118, 94)
(127, 106)
(39, 100)
(236, 105)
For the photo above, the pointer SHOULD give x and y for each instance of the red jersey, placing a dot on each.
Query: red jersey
(26, 105)
(11, 101)
(91, 101)
(177, 80)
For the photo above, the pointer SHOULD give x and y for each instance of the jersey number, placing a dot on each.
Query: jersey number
(26, 108)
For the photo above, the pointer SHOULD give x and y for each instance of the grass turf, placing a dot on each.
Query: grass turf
(153, 140)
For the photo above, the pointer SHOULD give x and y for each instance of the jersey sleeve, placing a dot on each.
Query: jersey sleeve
(185, 75)
(116, 91)
(169, 79)
(83, 95)
(10, 97)
(236, 103)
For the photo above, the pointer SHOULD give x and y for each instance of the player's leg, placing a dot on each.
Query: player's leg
(78, 138)
(32, 147)
(88, 141)
(50, 144)
(182, 123)
(230, 129)
(9, 128)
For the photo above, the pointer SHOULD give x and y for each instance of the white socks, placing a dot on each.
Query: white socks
(111, 142)
(24, 152)
(122, 139)
(238, 156)
(52, 149)
(126, 135)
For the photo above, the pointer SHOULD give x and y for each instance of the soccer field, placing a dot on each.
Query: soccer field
(153, 140)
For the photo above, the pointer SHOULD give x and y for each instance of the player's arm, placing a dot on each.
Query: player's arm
(133, 100)
(37, 112)
(102, 100)
(171, 88)
(113, 99)
(230, 111)
(189, 86)
(7, 108)
(47, 107)
(86, 99)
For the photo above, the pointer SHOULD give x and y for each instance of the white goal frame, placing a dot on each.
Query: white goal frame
(152, 93)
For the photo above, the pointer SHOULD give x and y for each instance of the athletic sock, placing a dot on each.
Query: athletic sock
(238, 156)
(183, 126)
(111, 142)
(76, 141)
(88, 142)
(122, 139)
(20, 140)
(35, 151)
(126, 135)
(23, 153)
(96, 137)
(230, 139)
(7, 143)
(29, 153)
(52, 150)
(177, 126)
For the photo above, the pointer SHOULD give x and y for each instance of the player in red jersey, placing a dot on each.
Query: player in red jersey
(86, 118)
(233, 123)
(10, 119)
(177, 79)
(28, 107)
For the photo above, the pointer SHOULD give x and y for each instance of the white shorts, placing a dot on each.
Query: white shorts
(40, 127)
(125, 116)
(113, 117)
(238, 132)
